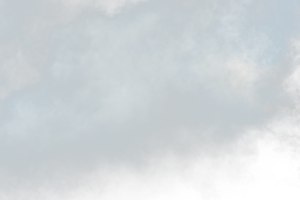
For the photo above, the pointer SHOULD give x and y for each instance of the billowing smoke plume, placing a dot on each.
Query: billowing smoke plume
(106, 84)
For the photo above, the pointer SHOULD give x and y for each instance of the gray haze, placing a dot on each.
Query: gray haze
(90, 84)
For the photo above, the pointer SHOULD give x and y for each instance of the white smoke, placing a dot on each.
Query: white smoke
(148, 100)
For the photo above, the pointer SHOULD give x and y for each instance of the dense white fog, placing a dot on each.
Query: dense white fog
(153, 79)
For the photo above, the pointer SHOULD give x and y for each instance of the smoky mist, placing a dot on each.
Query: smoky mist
(92, 88)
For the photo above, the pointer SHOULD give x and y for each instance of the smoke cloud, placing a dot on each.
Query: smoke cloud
(98, 86)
